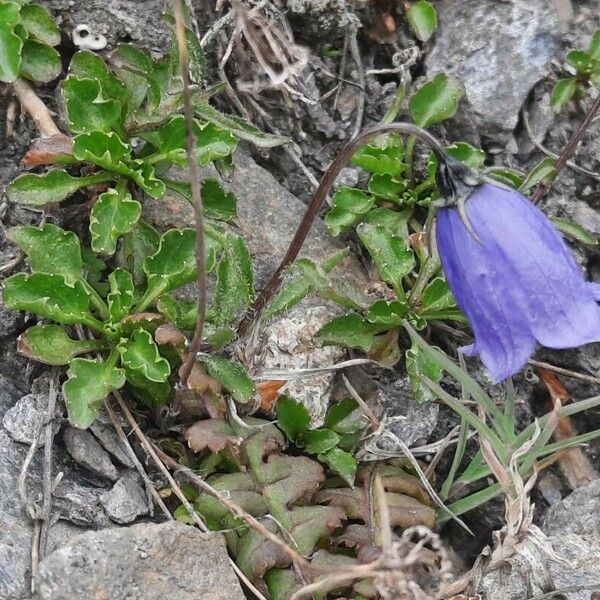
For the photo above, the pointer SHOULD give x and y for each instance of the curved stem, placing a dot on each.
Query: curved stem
(318, 198)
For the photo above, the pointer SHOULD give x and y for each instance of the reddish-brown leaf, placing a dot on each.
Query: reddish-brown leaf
(49, 151)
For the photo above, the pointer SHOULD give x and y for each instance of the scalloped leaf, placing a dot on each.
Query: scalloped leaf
(217, 202)
(39, 62)
(90, 381)
(349, 204)
(419, 365)
(390, 254)
(48, 296)
(87, 109)
(172, 266)
(318, 441)
(39, 24)
(292, 417)
(437, 297)
(11, 44)
(144, 175)
(50, 249)
(135, 247)
(114, 214)
(231, 376)
(234, 289)
(120, 297)
(435, 101)
(342, 463)
(51, 344)
(140, 353)
(50, 187)
(103, 149)
(351, 331)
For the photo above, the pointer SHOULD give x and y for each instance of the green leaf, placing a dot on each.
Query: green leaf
(140, 354)
(232, 377)
(290, 295)
(182, 313)
(52, 345)
(48, 296)
(318, 441)
(50, 249)
(392, 220)
(40, 62)
(422, 19)
(342, 463)
(382, 160)
(580, 60)
(471, 156)
(575, 231)
(197, 60)
(351, 331)
(419, 365)
(173, 265)
(136, 246)
(234, 289)
(563, 92)
(237, 126)
(53, 186)
(543, 172)
(103, 149)
(594, 50)
(390, 254)
(39, 24)
(151, 393)
(90, 381)
(435, 101)
(385, 186)
(348, 206)
(437, 297)
(346, 418)
(11, 44)
(120, 298)
(217, 202)
(292, 417)
(506, 176)
(87, 109)
(113, 214)
(387, 314)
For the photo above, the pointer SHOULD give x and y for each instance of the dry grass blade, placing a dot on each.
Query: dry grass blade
(37, 110)
(194, 179)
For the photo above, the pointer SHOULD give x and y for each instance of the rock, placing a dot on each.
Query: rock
(21, 421)
(578, 513)
(574, 569)
(79, 503)
(86, 451)
(127, 500)
(497, 51)
(141, 562)
(288, 344)
(108, 437)
(117, 20)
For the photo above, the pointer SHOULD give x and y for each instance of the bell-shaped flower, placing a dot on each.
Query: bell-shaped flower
(514, 278)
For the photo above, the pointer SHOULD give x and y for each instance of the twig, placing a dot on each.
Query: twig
(12, 263)
(566, 372)
(150, 450)
(37, 110)
(194, 177)
(360, 109)
(216, 27)
(316, 202)
(363, 405)
(234, 509)
(150, 489)
(553, 155)
(46, 511)
(569, 150)
(342, 67)
(292, 374)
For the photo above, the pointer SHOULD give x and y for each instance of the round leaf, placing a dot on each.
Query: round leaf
(422, 19)
(10, 43)
(38, 22)
(435, 101)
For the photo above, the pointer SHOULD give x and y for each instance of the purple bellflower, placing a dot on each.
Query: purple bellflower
(510, 271)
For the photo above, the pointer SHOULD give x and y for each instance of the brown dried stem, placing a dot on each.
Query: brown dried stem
(37, 110)
(569, 150)
(194, 178)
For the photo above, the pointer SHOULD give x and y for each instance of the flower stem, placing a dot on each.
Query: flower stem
(409, 157)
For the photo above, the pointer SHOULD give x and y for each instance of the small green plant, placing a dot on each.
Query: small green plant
(586, 64)
(28, 36)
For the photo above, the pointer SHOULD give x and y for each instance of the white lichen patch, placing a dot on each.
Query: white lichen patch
(86, 39)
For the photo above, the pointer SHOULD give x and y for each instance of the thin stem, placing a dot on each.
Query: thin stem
(569, 149)
(409, 157)
(194, 177)
(37, 110)
(97, 301)
(317, 200)
(396, 105)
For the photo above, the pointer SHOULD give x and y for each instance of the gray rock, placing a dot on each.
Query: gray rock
(87, 451)
(574, 568)
(80, 503)
(141, 562)
(578, 513)
(497, 51)
(127, 500)
(106, 434)
(21, 421)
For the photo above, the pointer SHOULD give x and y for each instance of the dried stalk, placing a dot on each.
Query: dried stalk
(37, 110)
(194, 178)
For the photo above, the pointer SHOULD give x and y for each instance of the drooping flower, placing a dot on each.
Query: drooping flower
(514, 278)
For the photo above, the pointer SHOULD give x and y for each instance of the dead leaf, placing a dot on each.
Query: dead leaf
(49, 150)
(214, 434)
(268, 392)
(169, 335)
